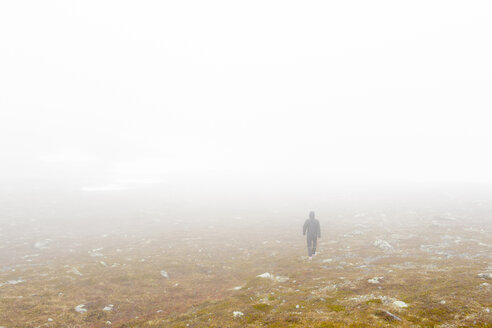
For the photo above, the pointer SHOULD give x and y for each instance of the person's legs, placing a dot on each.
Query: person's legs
(309, 242)
(315, 243)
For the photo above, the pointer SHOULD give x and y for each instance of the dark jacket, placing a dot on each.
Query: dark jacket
(312, 227)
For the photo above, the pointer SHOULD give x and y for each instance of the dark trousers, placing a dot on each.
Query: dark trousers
(312, 242)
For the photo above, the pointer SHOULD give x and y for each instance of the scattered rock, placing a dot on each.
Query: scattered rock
(388, 316)
(237, 288)
(80, 308)
(41, 244)
(108, 307)
(382, 244)
(50, 320)
(75, 271)
(400, 304)
(265, 275)
(268, 275)
(375, 280)
(281, 279)
(11, 282)
(485, 275)
(164, 274)
(95, 252)
(237, 314)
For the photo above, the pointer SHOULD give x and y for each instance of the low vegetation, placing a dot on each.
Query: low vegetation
(429, 278)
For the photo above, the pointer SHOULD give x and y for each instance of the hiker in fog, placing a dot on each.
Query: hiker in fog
(311, 226)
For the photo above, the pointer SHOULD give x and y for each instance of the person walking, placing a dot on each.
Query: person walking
(312, 228)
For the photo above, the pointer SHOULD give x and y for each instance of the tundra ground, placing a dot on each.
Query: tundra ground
(370, 271)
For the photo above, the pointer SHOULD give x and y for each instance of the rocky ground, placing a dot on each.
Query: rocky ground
(372, 270)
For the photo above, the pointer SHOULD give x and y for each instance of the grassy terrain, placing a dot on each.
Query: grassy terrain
(432, 267)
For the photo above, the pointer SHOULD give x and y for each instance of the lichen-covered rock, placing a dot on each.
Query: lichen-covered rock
(382, 244)
(237, 314)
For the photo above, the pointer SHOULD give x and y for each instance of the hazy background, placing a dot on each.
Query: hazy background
(204, 103)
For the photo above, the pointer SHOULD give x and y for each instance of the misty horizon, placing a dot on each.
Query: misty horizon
(170, 164)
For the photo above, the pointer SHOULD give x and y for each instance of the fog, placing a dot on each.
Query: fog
(116, 93)
(265, 100)
(179, 132)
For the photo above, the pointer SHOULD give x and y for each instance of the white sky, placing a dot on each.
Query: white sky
(254, 90)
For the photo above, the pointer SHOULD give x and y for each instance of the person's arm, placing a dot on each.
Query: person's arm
(319, 230)
(304, 228)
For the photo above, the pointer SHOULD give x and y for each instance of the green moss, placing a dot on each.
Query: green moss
(436, 313)
(358, 325)
(374, 301)
(325, 325)
(252, 317)
(262, 307)
(335, 307)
